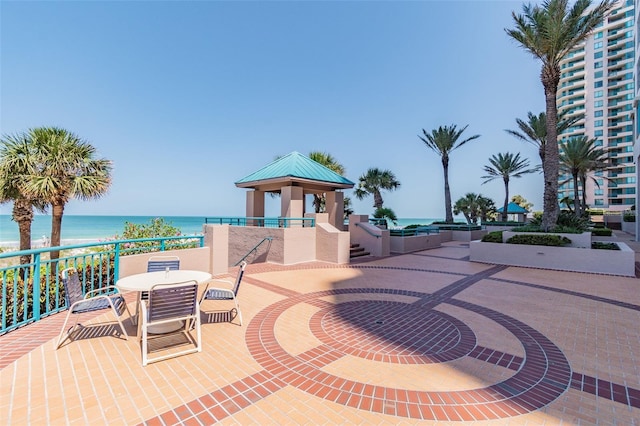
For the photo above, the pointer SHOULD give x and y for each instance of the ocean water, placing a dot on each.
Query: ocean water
(90, 228)
(96, 228)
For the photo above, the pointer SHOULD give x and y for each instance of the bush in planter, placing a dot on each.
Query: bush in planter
(601, 232)
(629, 216)
(566, 220)
(599, 245)
(558, 229)
(539, 240)
(492, 237)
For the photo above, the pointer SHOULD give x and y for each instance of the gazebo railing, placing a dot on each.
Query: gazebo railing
(263, 222)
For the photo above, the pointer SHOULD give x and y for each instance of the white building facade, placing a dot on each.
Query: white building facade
(598, 83)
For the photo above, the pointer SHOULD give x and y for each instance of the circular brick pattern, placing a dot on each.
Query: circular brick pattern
(392, 332)
(542, 377)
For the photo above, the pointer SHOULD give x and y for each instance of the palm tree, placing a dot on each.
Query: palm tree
(549, 32)
(468, 206)
(443, 141)
(374, 181)
(17, 162)
(386, 214)
(329, 162)
(67, 169)
(578, 156)
(506, 166)
(534, 130)
(486, 208)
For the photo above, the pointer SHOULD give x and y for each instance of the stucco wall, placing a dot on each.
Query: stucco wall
(414, 243)
(197, 259)
(332, 245)
(614, 262)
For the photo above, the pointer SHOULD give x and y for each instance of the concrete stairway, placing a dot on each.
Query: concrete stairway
(357, 251)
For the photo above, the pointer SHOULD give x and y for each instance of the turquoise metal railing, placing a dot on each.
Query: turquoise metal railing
(97, 264)
(410, 232)
(263, 222)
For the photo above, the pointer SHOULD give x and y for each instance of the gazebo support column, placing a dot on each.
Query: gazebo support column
(334, 204)
(292, 201)
(255, 206)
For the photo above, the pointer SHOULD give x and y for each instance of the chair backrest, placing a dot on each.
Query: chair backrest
(161, 263)
(236, 285)
(173, 300)
(72, 286)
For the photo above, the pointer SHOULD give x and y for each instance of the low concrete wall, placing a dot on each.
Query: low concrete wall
(629, 227)
(414, 243)
(332, 245)
(577, 240)
(467, 235)
(446, 236)
(197, 259)
(373, 239)
(613, 262)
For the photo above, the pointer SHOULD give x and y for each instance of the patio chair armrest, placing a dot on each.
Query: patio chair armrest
(100, 290)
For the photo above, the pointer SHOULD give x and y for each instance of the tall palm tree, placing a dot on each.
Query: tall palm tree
(331, 163)
(373, 182)
(443, 141)
(578, 156)
(549, 32)
(17, 163)
(534, 130)
(67, 169)
(505, 166)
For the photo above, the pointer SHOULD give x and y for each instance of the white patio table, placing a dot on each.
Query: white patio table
(144, 282)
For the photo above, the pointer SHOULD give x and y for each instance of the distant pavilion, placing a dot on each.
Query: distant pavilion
(294, 176)
(516, 210)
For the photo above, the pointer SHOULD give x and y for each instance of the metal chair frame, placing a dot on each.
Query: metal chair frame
(79, 303)
(231, 293)
(170, 303)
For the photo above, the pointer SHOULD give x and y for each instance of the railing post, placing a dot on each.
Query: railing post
(116, 262)
(36, 286)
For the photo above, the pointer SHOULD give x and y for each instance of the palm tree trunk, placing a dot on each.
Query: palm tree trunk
(550, 76)
(317, 202)
(583, 180)
(56, 226)
(377, 199)
(447, 192)
(23, 216)
(505, 213)
(576, 195)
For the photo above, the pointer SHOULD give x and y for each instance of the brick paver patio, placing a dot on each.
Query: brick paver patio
(427, 337)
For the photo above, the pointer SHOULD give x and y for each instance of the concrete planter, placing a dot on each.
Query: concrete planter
(577, 240)
(612, 262)
(414, 243)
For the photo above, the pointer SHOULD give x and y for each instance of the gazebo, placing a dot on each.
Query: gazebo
(294, 176)
(516, 210)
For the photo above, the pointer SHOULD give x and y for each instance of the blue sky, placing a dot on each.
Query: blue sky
(187, 97)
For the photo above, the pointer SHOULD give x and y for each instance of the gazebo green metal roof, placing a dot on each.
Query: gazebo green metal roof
(295, 167)
(513, 208)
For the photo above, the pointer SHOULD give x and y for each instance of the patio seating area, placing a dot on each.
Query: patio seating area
(424, 337)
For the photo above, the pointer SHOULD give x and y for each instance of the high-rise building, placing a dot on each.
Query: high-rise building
(597, 83)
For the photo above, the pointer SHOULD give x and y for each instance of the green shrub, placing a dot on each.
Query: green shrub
(599, 245)
(601, 232)
(629, 216)
(566, 220)
(492, 237)
(558, 229)
(539, 240)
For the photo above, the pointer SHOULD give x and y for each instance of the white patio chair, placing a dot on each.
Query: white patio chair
(230, 293)
(79, 303)
(167, 304)
(154, 264)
